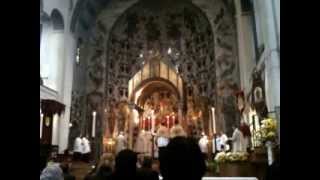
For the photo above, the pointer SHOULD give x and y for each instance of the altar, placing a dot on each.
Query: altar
(158, 96)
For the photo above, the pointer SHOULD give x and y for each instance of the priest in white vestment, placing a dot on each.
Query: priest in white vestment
(86, 149)
(77, 149)
(237, 140)
(203, 144)
(140, 144)
(222, 142)
(121, 142)
(162, 138)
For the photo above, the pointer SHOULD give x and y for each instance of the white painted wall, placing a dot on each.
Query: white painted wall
(57, 56)
(245, 46)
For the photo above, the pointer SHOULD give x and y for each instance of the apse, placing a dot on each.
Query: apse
(179, 32)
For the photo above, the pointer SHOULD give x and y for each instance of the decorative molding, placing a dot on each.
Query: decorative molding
(47, 93)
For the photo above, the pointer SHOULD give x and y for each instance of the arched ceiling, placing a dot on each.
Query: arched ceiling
(156, 86)
(178, 30)
(86, 11)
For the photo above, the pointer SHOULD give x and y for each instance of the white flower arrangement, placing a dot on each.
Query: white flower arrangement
(267, 131)
(223, 157)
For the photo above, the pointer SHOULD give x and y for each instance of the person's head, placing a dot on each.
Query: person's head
(126, 162)
(52, 171)
(163, 123)
(234, 127)
(242, 122)
(106, 159)
(104, 170)
(65, 167)
(182, 159)
(176, 122)
(155, 166)
(147, 162)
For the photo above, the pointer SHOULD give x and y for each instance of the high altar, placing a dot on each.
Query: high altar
(157, 94)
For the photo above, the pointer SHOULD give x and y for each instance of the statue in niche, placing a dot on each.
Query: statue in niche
(123, 116)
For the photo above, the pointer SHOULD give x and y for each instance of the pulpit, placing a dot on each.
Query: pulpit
(49, 109)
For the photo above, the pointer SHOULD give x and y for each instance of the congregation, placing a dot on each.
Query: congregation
(179, 157)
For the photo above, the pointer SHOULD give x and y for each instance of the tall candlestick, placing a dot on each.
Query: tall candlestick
(213, 120)
(168, 122)
(94, 123)
(41, 125)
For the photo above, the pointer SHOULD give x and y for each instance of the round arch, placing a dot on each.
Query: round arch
(150, 84)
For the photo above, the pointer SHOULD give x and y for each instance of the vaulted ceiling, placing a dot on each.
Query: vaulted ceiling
(86, 11)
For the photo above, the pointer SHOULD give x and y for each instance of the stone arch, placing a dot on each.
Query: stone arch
(57, 20)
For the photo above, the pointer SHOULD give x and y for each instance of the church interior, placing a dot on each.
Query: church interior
(133, 74)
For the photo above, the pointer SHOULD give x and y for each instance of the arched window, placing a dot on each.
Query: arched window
(51, 50)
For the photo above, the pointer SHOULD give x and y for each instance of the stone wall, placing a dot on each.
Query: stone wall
(201, 35)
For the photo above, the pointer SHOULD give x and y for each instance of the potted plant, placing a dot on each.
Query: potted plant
(268, 135)
(212, 168)
(233, 164)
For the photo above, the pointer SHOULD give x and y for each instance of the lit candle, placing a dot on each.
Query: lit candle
(94, 123)
(168, 122)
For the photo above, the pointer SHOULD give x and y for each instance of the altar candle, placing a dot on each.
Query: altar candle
(143, 124)
(213, 121)
(94, 123)
(168, 122)
(149, 120)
